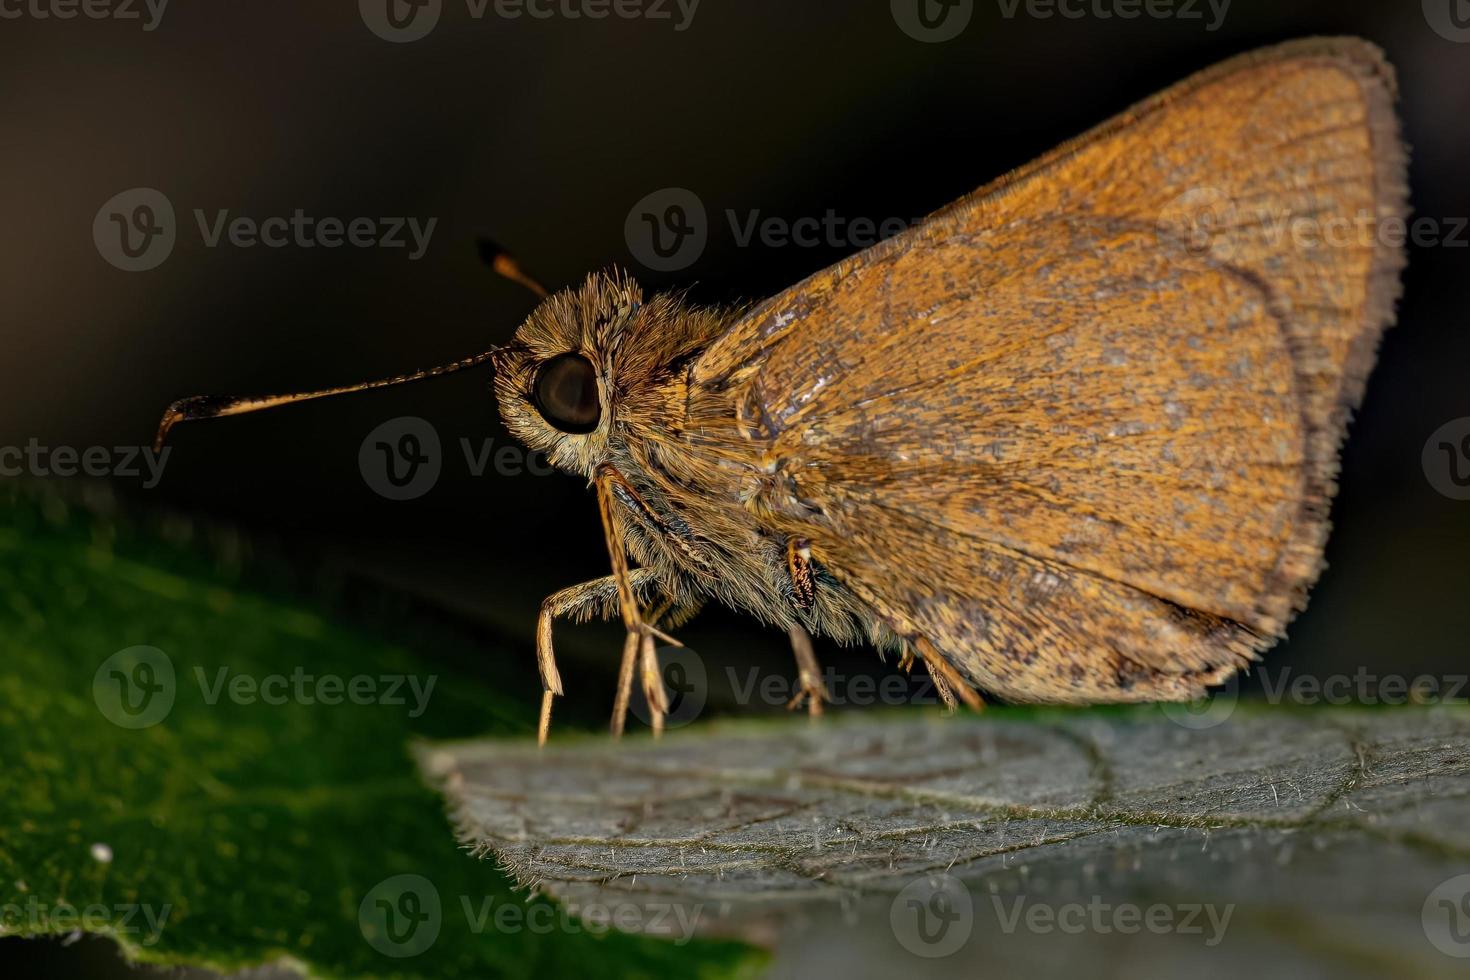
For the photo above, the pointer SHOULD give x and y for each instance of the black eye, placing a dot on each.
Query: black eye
(566, 393)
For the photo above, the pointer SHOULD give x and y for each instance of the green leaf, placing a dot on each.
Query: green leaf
(149, 796)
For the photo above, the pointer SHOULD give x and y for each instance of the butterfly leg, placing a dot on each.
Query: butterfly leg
(808, 672)
(803, 596)
(947, 680)
(907, 658)
(638, 643)
(676, 608)
(580, 602)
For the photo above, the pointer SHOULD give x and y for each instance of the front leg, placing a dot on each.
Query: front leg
(599, 597)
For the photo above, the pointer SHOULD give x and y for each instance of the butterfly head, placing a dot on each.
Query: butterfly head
(592, 365)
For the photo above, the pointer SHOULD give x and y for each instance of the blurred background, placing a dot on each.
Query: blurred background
(552, 135)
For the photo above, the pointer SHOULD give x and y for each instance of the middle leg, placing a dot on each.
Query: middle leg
(808, 672)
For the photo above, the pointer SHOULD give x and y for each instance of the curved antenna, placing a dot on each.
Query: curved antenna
(216, 406)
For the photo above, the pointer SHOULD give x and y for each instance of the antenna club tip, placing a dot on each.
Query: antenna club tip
(505, 264)
(171, 417)
(184, 409)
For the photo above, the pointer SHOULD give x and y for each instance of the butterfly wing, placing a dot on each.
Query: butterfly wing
(1080, 429)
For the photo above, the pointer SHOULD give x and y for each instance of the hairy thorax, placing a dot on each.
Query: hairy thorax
(725, 528)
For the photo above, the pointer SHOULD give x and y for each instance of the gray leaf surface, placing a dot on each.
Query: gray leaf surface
(1332, 842)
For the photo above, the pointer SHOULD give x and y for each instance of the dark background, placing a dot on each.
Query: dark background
(544, 133)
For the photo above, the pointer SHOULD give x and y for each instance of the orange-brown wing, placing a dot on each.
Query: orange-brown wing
(1080, 429)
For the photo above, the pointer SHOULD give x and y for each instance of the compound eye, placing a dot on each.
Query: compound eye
(566, 393)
